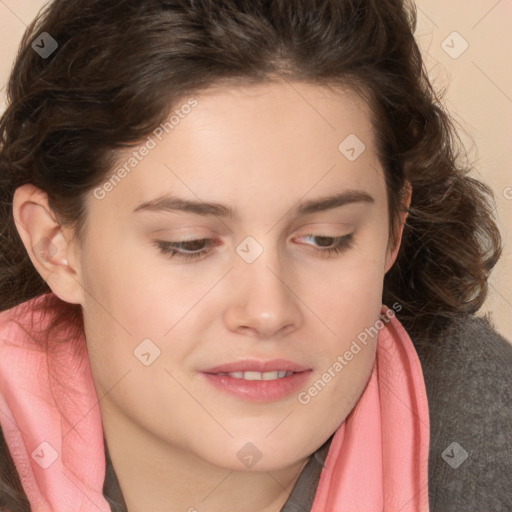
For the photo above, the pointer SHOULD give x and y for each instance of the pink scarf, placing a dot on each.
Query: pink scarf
(377, 461)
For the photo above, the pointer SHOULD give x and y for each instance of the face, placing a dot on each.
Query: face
(271, 272)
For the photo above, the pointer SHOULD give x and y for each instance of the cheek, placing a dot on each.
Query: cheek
(129, 303)
(350, 296)
(126, 292)
(349, 303)
(349, 307)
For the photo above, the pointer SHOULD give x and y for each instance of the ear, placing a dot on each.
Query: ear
(392, 252)
(49, 246)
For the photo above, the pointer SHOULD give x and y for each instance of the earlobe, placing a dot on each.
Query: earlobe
(406, 202)
(47, 245)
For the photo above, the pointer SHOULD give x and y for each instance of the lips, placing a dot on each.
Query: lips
(258, 381)
(258, 390)
(253, 365)
(257, 375)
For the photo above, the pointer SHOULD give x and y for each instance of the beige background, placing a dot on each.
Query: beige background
(479, 95)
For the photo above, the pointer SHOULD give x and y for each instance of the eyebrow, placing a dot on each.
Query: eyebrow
(170, 203)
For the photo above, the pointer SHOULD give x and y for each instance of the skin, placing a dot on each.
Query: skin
(174, 438)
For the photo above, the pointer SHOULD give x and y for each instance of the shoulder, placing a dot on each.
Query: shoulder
(468, 379)
(472, 356)
(473, 359)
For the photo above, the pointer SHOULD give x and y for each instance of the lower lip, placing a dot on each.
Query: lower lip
(259, 390)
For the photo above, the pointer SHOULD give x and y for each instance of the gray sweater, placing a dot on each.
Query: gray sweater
(468, 378)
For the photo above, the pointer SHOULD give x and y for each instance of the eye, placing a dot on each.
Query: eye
(193, 249)
(332, 245)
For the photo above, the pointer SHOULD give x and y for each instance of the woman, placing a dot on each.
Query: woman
(228, 228)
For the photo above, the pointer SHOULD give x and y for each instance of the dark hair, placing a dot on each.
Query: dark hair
(121, 67)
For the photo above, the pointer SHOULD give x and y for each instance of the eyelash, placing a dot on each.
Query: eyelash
(342, 243)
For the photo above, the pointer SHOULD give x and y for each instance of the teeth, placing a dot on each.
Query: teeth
(258, 375)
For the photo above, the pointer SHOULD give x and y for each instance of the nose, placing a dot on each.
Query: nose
(262, 301)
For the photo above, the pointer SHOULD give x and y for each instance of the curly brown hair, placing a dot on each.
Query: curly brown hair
(122, 65)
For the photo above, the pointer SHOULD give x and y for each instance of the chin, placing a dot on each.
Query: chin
(255, 456)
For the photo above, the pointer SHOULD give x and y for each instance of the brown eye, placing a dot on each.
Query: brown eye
(188, 249)
(332, 245)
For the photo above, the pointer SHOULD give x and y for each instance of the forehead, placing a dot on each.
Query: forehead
(278, 139)
(277, 112)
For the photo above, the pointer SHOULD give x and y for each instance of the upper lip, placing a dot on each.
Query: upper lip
(248, 365)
